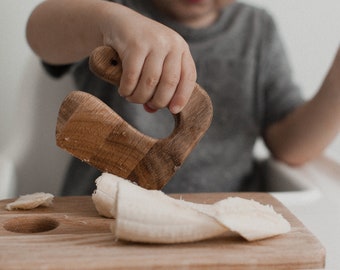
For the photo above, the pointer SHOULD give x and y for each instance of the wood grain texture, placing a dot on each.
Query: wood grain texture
(77, 238)
(91, 131)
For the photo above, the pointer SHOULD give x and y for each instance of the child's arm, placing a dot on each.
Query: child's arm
(304, 133)
(158, 69)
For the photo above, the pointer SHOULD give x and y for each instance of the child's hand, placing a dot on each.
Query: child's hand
(158, 69)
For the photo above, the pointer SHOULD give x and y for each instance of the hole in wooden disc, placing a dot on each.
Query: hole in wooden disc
(31, 224)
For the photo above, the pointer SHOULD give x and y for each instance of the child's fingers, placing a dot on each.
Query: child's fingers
(186, 84)
(132, 64)
(149, 79)
(168, 82)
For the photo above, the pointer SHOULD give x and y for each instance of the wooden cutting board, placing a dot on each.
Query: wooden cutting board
(71, 235)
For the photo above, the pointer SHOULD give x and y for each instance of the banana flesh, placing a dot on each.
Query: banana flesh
(150, 216)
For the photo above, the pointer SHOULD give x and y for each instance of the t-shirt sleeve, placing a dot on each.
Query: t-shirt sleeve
(56, 71)
(281, 93)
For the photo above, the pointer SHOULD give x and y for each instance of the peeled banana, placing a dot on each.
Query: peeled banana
(150, 216)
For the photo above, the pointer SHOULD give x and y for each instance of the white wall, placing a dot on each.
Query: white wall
(29, 99)
(29, 102)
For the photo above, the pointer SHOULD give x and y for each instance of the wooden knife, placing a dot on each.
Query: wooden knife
(91, 131)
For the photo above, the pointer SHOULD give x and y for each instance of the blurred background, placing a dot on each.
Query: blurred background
(29, 99)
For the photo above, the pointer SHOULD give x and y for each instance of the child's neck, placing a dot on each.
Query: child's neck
(201, 22)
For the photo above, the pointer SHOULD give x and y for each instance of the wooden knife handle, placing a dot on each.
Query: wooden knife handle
(106, 64)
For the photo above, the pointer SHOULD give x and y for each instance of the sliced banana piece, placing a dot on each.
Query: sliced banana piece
(150, 216)
(30, 201)
(105, 196)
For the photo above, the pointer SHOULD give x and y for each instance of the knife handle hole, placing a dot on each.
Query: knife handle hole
(31, 224)
(114, 62)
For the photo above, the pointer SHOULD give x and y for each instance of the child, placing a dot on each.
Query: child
(231, 49)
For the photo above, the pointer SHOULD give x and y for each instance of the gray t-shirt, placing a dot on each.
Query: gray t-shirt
(242, 64)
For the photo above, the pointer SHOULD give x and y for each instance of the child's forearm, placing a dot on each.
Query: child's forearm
(158, 69)
(304, 133)
(61, 31)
